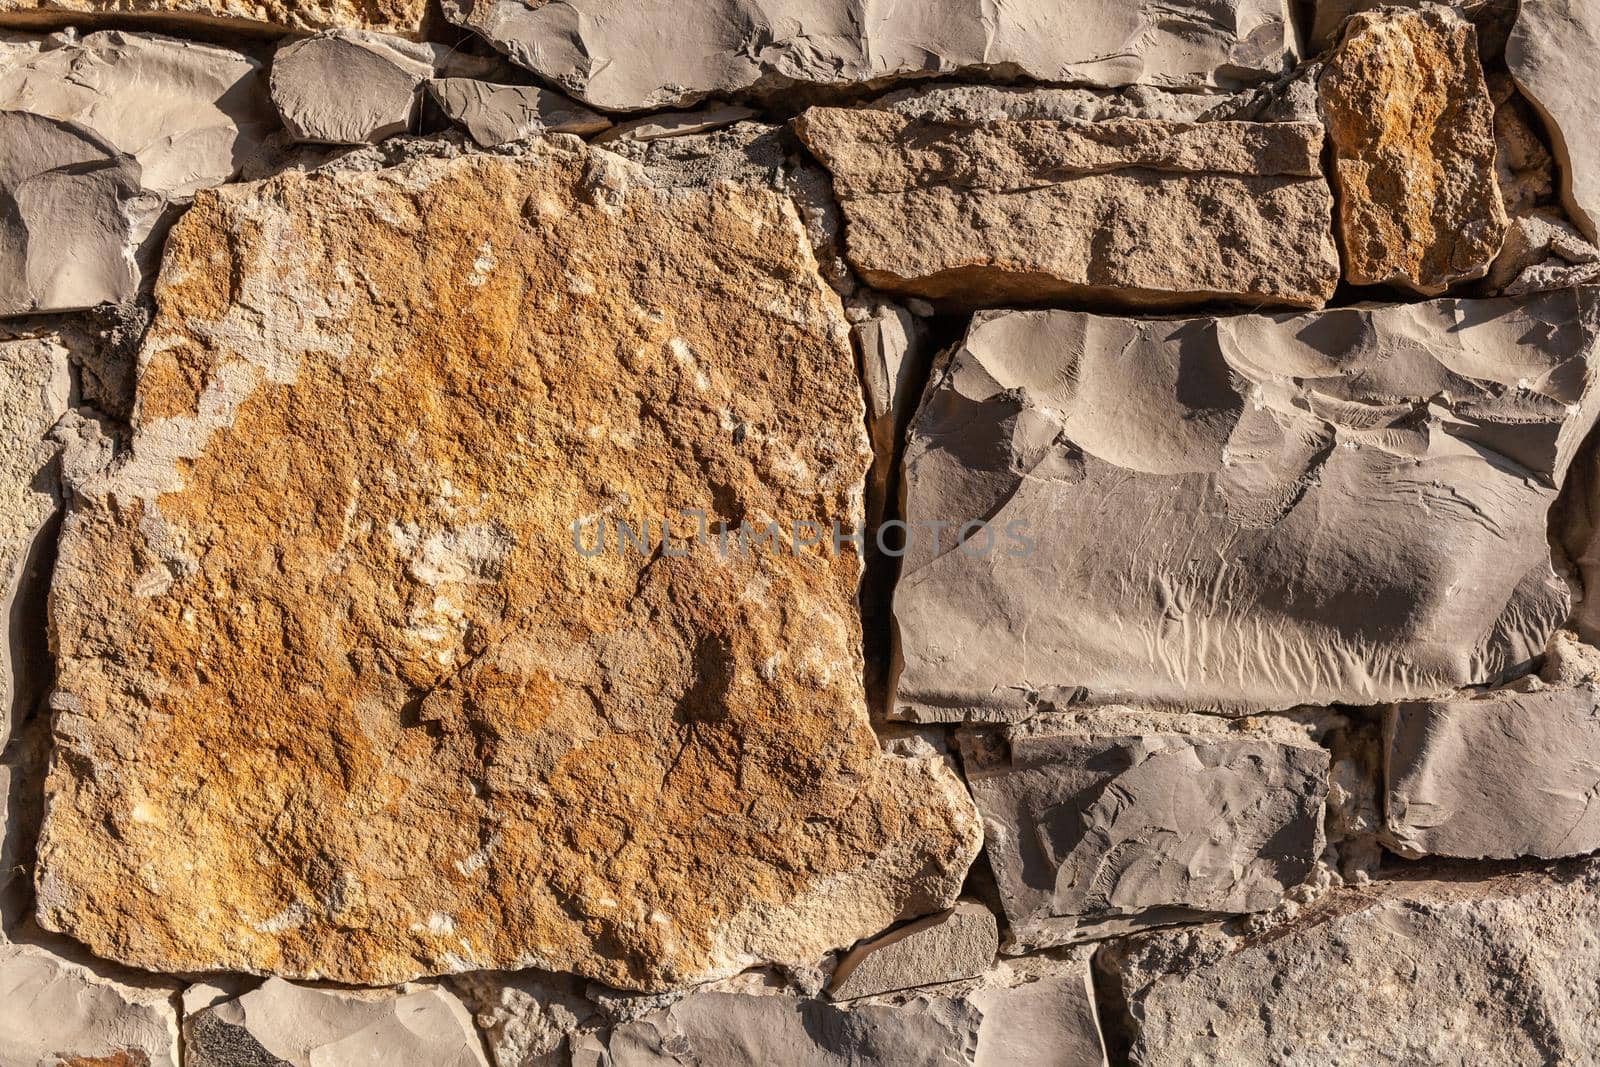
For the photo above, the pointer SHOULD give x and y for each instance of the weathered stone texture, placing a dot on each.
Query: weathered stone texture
(404, 17)
(348, 87)
(35, 386)
(327, 626)
(61, 1013)
(1499, 775)
(1420, 973)
(1240, 513)
(98, 137)
(1412, 130)
(285, 1025)
(1128, 212)
(527, 1018)
(640, 54)
(954, 944)
(1096, 828)
(496, 114)
(1035, 1012)
(1548, 55)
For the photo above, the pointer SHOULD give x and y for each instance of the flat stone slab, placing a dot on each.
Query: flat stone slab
(1244, 513)
(1446, 971)
(59, 1011)
(958, 943)
(629, 55)
(1095, 828)
(1543, 54)
(1495, 775)
(1126, 212)
(352, 692)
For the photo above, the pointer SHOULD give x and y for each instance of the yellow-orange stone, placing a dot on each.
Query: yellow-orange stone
(1411, 124)
(405, 18)
(337, 695)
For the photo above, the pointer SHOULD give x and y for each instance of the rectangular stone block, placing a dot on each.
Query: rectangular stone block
(1126, 212)
(1242, 513)
(1095, 827)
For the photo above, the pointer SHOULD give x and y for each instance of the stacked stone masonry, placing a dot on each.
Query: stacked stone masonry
(573, 533)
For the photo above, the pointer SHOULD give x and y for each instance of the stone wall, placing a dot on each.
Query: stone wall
(727, 532)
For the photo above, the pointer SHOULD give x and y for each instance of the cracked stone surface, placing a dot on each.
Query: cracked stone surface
(403, 17)
(35, 388)
(1411, 125)
(626, 55)
(954, 944)
(1438, 970)
(1495, 775)
(1095, 826)
(1539, 53)
(63, 1013)
(1130, 213)
(496, 114)
(327, 625)
(1033, 1012)
(1243, 513)
(98, 138)
(284, 1025)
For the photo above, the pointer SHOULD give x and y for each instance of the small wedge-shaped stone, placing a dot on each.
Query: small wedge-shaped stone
(1133, 213)
(348, 577)
(1412, 128)
(1240, 513)
(55, 1011)
(1094, 830)
(98, 136)
(286, 1025)
(403, 17)
(348, 87)
(1454, 972)
(954, 944)
(626, 55)
(1547, 55)
(1496, 775)
(496, 114)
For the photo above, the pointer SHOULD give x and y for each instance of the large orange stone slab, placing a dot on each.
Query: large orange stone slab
(339, 698)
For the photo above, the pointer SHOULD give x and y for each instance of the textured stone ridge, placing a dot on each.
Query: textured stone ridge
(1419, 972)
(640, 54)
(403, 17)
(1134, 213)
(1412, 129)
(1242, 513)
(1105, 826)
(338, 695)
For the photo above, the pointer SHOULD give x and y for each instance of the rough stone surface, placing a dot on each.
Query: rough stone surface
(528, 1019)
(954, 944)
(892, 346)
(337, 583)
(631, 55)
(1127, 212)
(404, 17)
(1411, 126)
(1541, 54)
(1093, 828)
(1497, 775)
(1418, 973)
(282, 1023)
(35, 386)
(98, 137)
(1541, 253)
(678, 123)
(1035, 1012)
(975, 105)
(348, 87)
(61, 1013)
(497, 114)
(1240, 513)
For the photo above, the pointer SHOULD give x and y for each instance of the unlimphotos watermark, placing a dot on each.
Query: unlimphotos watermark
(599, 535)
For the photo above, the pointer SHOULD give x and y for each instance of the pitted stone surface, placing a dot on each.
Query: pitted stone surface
(328, 625)
(403, 17)
(627, 55)
(1242, 513)
(1129, 212)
